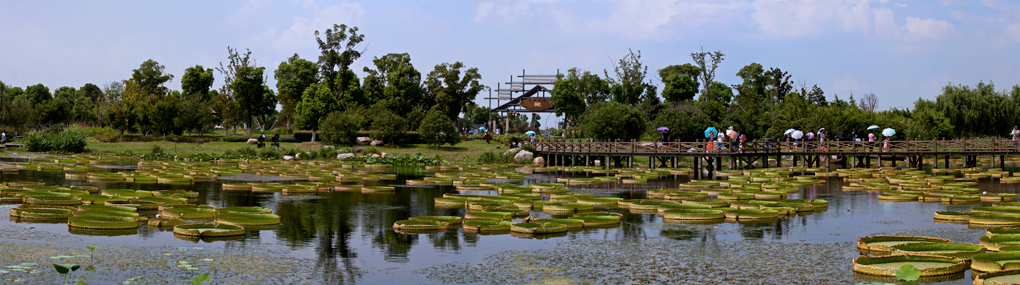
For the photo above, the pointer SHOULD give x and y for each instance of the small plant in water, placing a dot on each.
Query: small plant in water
(200, 279)
(65, 268)
(907, 275)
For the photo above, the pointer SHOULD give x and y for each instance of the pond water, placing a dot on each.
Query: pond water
(347, 237)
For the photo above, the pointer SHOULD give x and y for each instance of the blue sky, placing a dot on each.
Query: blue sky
(899, 50)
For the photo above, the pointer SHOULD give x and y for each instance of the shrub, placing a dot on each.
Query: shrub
(69, 142)
(528, 147)
(339, 128)
(438, 129)
(612, 120)
(495, 157)
(389, 128)
(370, 150)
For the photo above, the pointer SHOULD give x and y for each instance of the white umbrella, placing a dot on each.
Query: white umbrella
(797, 134)
(873, 127)
(888, 132)
(787, 132)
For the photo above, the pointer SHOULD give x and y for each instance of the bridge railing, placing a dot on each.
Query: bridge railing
(762, 147)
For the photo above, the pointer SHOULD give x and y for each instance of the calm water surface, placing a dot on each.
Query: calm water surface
(349, 234)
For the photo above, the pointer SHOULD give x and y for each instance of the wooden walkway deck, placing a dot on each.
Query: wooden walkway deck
(583, 152)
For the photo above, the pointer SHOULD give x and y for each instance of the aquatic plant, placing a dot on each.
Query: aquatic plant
(927, 265)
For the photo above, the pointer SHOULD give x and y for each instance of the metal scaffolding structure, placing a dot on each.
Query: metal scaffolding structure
(528, 94)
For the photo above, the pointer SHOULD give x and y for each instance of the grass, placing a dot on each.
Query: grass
(464, 151)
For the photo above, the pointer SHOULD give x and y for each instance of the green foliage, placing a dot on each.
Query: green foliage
(196, 82)
(339, 50)
(679, 87)
(200, 279)
(567, 101)
(908, 272)
(395, 81)
(612, 121)
(437, 129)
(686, 122)
(316, 103)
(629, 84)
(67, 142)
(495, 157)
(340, 128)
(388, 127)
(292, 78)
(403, 159)
(589, 86)
(451, 87)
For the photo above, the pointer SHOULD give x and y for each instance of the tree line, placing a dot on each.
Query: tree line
(623, 105)
(391, 90)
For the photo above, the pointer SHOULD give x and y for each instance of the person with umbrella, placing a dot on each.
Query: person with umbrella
(532, 134)
(888, 133)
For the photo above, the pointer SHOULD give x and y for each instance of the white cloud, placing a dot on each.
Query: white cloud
(901, 5)
(514, 10)
(302, 29)
(658, 19)
(951, 2)
(250, 10)
(792, 19)
(927, 28)
(1013, 32)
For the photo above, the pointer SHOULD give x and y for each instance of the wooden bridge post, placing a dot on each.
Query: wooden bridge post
(1002, 161)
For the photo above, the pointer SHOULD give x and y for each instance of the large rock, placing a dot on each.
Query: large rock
(364, 140)
(288, 158)
(384, 155)
(523, 156)
(376, 143)
(376, 155)
(357, 149)
(511, 151)
(540, 161)
(253, 141)
(344, 155)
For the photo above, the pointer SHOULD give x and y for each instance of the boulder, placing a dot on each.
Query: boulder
(344, 155)
(523, 156)
(540, 161)
(376, 143)
(328, 146)
(288, 158)
(511, 151)
(375, 155)
(253, 141)
(384, 155)
(364, 140)
(357, 149)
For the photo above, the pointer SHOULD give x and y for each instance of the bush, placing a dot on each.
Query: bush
(495, 157)
(437, 129)
(339, 128)
(612, 120)
(389, 128)
(68, 142)
(370, 150)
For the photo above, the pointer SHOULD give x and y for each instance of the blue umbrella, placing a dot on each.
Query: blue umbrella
(709, 131)
(482, 128)
(787, 132)
(529, 133)
(872, 127)
(888, 132)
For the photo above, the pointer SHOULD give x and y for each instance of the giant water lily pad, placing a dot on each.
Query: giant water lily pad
(928, 265)
(538, 228)
(103, 222)
(884, 244)
(242, 220)
(960, 250)
(1004, 277)
(208, 230)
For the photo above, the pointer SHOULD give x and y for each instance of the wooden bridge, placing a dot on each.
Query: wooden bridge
(708, 155)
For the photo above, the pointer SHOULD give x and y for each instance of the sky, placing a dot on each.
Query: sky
(898, 50)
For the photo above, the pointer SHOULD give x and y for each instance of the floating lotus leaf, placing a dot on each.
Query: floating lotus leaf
(164, 222)
(897, 197)
(750, 214)
(997, 209)
(53, 200)
(1002, 231)
(953, 216)
(1004, 277)
(41, 213)
(100, 213)
(175, 194)
(995, 242)
(994, 219)
(453, 220)
(570, 223)
(599, 218)
(672, 206)
(995, 261)
(137, 204)
(377, 189)
(884, 244)
(164, 200)
(707, 202)
(102, 222)
(484, 225)
(928, 265)
(245, 210)
(538, 228)
(209, 230)
(693, 214)
(489, 215)
(235, 187)
(188, 212)
(599, 201)
(244, 220)
(567, 207)
(421, 225)
(959, 250)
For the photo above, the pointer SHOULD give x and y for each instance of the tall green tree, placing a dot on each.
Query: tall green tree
(568, 102)
(339, 50)
(613, 121)
(589, 86)
(293, 76)
(629, 84)
(38, 93)
(451, 87)
(254, 97)
(197, 82)
(340, 127)
(316, 103)
(151, 77)
(395, 80)
(437, 129)
(707, 62)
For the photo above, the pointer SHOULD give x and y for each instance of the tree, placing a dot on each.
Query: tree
(251, 93)
(684, 120)
(94, 95)
(815, 96)
(628, 85)
(196, 82)
(535, 124)
(707, 62)
(340, 127)
(778, 84)
(15, 110)
(567, 101)
(339, 50)
(194, 114)
(613, 120)
(292, 78)
(451, 87)
(478, 115)
(719, 92)
(437, 128)
(38, 93)
(679, 88)
(388, 127)
(163, 112)
(589, 86)
(316, 103)
(395, 80)
(869, 102)
(150, 77)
